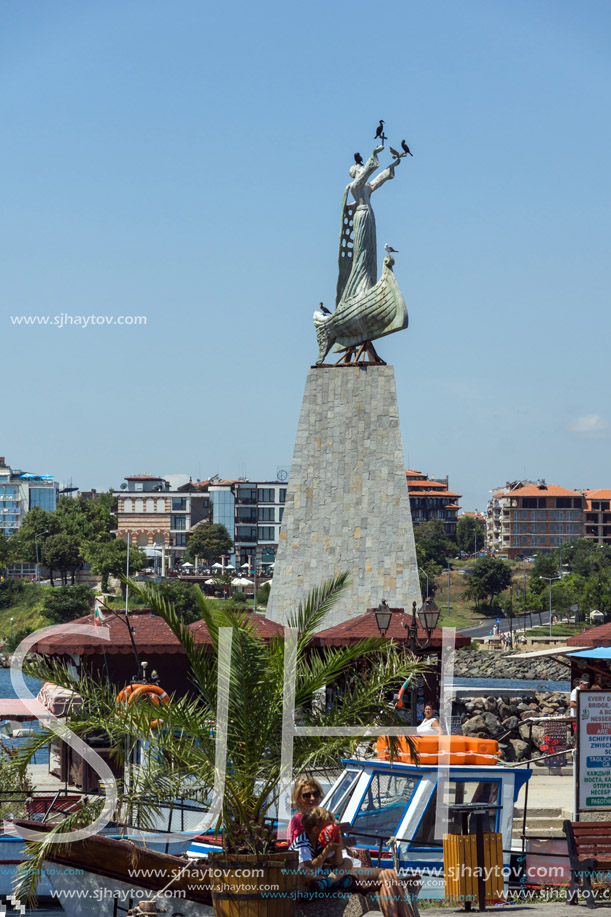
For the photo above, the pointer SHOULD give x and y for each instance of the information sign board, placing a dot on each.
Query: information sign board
(593, 750)
(555, 740)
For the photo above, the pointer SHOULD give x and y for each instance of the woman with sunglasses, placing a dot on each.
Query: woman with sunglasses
(307, 792)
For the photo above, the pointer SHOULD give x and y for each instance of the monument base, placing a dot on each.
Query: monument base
(347, 505)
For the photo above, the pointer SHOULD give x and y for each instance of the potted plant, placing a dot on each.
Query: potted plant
(183, 746)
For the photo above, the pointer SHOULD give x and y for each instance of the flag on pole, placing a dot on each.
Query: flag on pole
(98, 617)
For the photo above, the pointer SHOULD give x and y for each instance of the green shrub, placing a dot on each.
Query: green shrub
(10, 592)
(65, 603)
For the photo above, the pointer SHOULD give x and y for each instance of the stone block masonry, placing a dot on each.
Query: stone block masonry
(347, 506)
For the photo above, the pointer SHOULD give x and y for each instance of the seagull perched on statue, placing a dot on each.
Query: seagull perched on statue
(324, 310)
(405, 148)
(358, 159)
(389, 248)
(380, 132)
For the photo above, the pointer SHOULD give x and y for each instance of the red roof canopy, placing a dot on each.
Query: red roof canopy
(595, 636)
(350, 632)
(151, 635)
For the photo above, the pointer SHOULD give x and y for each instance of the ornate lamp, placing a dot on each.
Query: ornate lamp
(383, 617)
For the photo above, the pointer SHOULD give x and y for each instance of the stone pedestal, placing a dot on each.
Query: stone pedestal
(347, 504)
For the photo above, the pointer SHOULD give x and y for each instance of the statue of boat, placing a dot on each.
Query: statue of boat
(379, 311)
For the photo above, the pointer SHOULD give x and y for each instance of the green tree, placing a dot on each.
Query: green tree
(88, 519)
(489, 577)
(5, 550)
(65, 603)
(109, 558)
(62, 553)
(470, 534)
(432, 543)
(209, 542)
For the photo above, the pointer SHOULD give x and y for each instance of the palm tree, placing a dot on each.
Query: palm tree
(183, 737)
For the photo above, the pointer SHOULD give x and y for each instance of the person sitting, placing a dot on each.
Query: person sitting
(430, 724)
(307, 793)
(322, 866)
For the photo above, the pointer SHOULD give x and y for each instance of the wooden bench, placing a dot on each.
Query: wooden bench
(589, 844)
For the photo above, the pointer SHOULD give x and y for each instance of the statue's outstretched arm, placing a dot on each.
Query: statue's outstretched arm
(386, 175)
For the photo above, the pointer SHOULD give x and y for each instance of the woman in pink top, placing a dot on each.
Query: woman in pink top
(307, 792)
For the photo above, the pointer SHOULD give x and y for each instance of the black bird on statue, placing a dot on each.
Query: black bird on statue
(324, 310)
(405, 148)
(358, 159)
(380, 131)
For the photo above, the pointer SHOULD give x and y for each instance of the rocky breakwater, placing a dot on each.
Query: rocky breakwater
(470, 663)
(506, 719)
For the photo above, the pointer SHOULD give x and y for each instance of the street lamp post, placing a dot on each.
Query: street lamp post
(448, 571)
(36, 537)
(550, 580)
(428, 620)
(427, 580)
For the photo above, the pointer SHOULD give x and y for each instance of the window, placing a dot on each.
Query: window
(266, 514)
(266, 533)
(150, 505)
(246, 533)
(282, 495)
(280, 514)
(266, 495)
(128, 505)
(161, 506)
(180, 540)
(139, 506)
(338, 800)
(179, 503)
(563, 502)
(460, 792)
(178, 522)
(384, 804)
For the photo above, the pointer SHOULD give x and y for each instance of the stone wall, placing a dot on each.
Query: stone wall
(506, 718)
(477, 664)
(347, 506)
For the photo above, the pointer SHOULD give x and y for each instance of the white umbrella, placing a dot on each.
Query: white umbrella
(241, 581)
(247, 565)
(209, 582)
(188, 565)
(217, 566)
(229, 567)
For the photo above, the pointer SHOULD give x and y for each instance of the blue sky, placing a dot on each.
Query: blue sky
(187, 162)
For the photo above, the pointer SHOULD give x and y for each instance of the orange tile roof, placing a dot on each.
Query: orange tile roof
(452, 506)
(543, 490)
(426, 483)
(600, 494)
(413, 472)
(434, 493)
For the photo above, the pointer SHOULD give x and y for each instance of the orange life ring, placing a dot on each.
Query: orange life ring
(154, 693)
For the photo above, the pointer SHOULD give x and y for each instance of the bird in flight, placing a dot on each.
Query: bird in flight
(389, 248)
(358, 159)
(324, 310)
(395, 153)
(380, 131)
(405, 148)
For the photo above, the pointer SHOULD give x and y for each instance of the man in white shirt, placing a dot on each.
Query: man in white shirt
(584, 684)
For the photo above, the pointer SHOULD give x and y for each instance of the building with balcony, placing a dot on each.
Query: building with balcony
(525, 518)
(20, 491)
(597, 512)
(431, 498)
(251, 511)
(157, 518)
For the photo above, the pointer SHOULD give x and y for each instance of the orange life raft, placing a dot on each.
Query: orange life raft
(441, 750)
